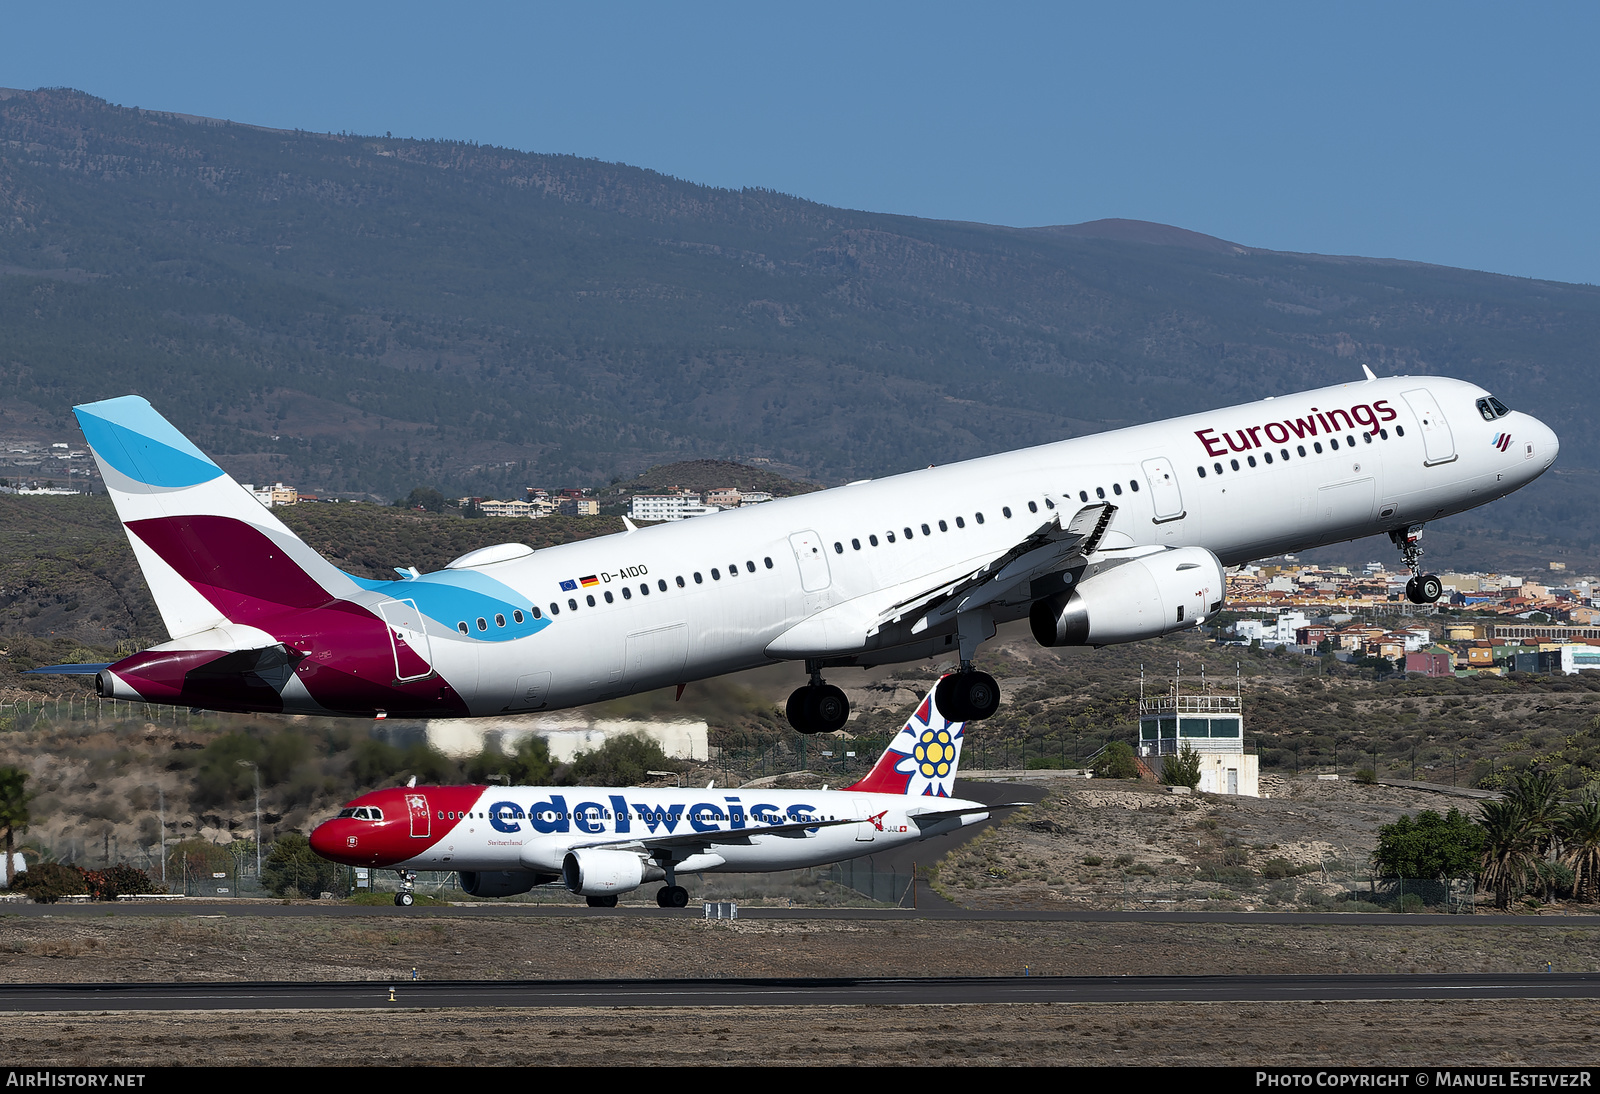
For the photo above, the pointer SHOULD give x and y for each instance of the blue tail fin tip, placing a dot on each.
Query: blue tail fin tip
(128, 434)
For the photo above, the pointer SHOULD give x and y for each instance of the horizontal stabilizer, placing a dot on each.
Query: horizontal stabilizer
(928, 820)
(67, 670)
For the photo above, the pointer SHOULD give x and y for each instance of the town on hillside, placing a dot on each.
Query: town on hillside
(1487, 624)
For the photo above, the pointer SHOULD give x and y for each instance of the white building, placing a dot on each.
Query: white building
(1212, 725)
(566, 733)
(1278, 632)
(679, 506)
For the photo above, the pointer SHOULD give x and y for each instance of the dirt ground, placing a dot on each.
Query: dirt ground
(1545, 1033)
(1111, 843)
(112, 947)
(108, 947)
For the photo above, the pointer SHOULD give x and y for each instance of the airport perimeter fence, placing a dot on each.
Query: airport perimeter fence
(1330, 890)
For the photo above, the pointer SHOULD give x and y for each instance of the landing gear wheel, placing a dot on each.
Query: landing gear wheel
(602, 901)
(818, 708)
(828, 708)
(967, 696)
(795, 711)
(672, 896)
(404, 900)
(1424, 589)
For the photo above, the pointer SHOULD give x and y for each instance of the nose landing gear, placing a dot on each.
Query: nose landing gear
(1422, 588)
(407, 895)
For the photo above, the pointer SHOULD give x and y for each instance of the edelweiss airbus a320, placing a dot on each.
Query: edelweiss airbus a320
(1101, 539)
(602, 841)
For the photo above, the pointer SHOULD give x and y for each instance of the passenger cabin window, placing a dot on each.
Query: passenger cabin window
(609, 598)
(627, 593)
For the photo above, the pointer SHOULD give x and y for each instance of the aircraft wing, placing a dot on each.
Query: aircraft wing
(849, 626)
(794, 830)
(1047, 549)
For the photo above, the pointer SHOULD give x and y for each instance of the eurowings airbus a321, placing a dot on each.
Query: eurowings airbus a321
(603, 841)
(1108, 538)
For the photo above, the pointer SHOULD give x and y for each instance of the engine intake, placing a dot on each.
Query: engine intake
(1142, 598)
(601, 873)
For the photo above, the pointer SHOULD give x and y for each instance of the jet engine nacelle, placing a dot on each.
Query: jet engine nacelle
(591, 872)
(1145, 597)
(501, 882)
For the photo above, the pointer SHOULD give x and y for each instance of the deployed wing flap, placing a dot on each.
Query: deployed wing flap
(1047, 549)
(850, 626)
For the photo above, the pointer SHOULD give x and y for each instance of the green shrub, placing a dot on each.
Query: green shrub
(48, 882)
(1116, 762)
(119, 879)
(294, 868)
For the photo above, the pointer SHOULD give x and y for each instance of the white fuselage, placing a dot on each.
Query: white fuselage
(716, 594)
(533, 828)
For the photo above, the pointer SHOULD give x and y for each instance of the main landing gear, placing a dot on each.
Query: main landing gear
(963, 696)
(670, 895)
(815, 708)
(967, 696)
(407, 896)
(602, 901)
(1422, 588)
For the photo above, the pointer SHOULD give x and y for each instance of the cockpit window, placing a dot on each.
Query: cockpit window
(346, 814)
(1492, 408)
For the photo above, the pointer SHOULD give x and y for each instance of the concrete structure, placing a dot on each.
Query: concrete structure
(566, 734)
(1212, 725)
(678, 506)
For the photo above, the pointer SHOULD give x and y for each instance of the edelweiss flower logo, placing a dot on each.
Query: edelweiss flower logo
(934, 752)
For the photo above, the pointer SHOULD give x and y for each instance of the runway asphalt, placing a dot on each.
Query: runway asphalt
(931, 910)
(391, 994)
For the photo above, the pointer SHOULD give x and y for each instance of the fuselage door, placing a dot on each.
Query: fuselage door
(413, 657)
(1438, 443)
(1164, 492)
(421, 819)
(813, 562)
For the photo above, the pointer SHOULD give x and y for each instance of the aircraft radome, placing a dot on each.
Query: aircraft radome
(1101, 539)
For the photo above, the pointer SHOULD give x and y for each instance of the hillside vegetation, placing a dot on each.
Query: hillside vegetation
(360, 313)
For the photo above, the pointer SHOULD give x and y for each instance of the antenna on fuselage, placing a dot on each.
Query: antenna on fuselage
(1368, 371)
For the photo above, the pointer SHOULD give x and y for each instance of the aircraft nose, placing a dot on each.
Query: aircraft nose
(1551, 446)
(325, 840)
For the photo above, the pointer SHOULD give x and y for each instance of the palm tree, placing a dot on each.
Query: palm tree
(13, 810)
(1580, 836)
(1538, 796)
(1510, 850)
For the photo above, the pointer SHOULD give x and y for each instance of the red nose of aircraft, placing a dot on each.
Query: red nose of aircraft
(387, 827)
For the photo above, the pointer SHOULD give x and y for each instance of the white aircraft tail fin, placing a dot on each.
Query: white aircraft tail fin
(922, 759)
(210, 551)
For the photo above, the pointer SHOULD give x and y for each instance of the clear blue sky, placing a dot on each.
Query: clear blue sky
(1457, 133)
